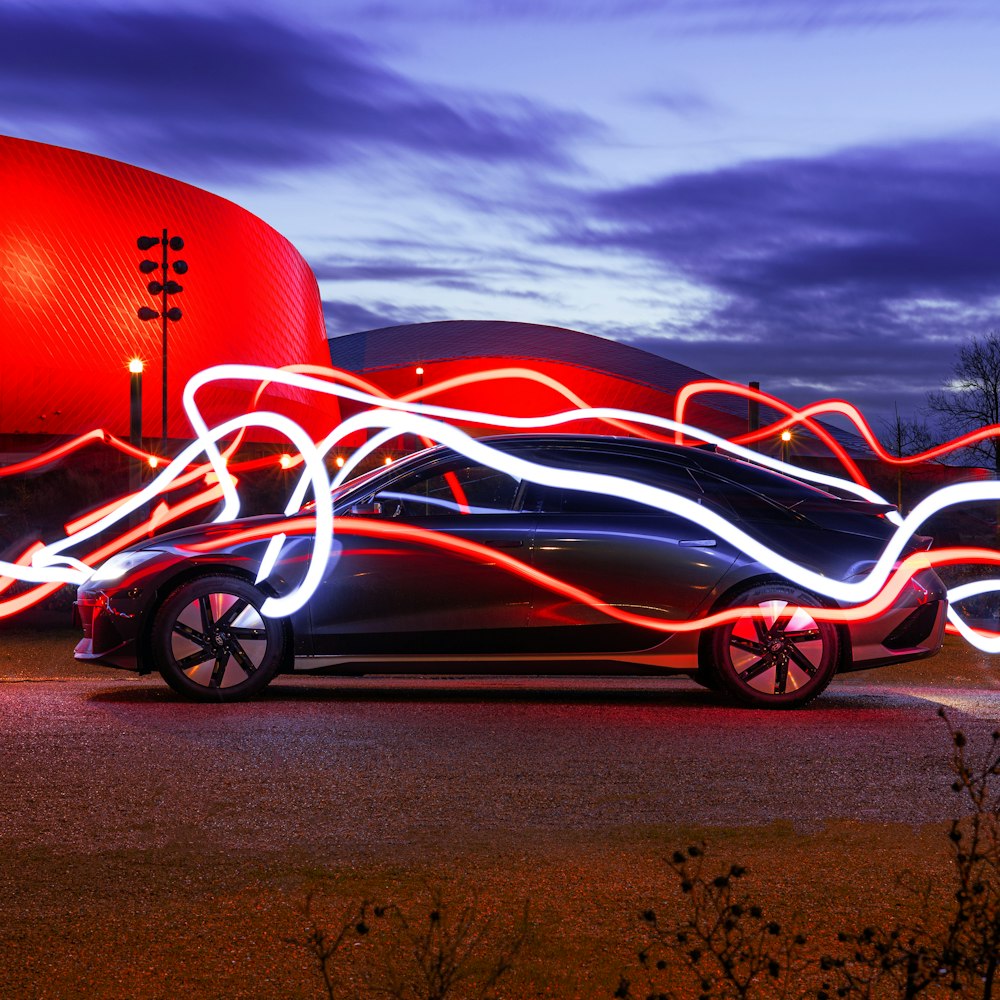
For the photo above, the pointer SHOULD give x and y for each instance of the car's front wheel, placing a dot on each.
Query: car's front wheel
(210, 641)
(780, 657)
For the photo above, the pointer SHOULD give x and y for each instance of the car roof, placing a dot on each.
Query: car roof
(749, 475)
(595, 442)
(756, 478)
(703, 457)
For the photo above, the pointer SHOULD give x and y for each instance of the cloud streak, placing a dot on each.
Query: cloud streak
(869, 262)
(228, 93)
(883, 223)
(350, 317)
(696, 16)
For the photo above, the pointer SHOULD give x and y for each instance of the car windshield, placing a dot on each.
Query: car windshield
(344, 489)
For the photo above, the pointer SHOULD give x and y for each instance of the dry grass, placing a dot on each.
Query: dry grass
(211, 923)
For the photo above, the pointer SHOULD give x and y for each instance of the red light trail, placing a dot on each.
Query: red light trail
(411, 413)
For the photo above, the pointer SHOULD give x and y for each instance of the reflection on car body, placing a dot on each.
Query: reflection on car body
(440, 562)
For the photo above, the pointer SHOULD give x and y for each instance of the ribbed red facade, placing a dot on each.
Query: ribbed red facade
(70, 288)
(598, 371)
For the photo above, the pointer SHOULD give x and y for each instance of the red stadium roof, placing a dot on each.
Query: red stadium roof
(602, 372)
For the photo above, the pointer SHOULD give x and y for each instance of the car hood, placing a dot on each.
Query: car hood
(206, 532)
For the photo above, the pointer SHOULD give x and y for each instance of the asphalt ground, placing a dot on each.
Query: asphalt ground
(154, 848)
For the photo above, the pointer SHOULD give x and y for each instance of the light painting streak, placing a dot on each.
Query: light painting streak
(805, 415)
(693, 388)
(51, 565)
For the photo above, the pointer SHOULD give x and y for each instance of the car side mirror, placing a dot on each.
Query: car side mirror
(368, 506)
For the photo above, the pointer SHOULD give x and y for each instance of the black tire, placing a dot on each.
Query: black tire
(211, 643)
(783, 660)
(705, 677)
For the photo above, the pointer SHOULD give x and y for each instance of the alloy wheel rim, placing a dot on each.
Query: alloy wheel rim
(218, 640)
(779, 652)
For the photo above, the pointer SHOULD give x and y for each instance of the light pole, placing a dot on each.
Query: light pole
(162, 288)
(786, 438)
(135, 367)
(753, 415)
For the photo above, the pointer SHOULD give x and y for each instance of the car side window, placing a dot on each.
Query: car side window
(559, 500)
(552, 500)
(467, 489)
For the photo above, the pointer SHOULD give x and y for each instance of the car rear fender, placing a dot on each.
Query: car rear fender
(729, 596)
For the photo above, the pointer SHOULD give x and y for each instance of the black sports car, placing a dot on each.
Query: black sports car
(442, 562)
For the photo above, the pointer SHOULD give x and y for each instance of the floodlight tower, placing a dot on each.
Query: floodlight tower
(162, 288)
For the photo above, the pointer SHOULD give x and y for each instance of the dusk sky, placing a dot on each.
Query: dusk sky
(807, 194)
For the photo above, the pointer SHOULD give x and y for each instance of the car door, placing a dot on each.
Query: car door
(631, 557)
(428, 563)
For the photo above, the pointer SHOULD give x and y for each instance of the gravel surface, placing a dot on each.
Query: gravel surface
(156, 848)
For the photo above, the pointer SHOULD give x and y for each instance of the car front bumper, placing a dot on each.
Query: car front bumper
(110, 624)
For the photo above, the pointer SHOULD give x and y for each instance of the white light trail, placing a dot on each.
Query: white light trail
(392, 418)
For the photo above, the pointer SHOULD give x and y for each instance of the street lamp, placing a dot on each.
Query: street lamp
(162, 288)
(135, 367)
(786, 438)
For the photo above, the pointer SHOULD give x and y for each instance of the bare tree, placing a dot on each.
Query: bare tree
(716, 943)
(449, 950)
(325, 945)
(972, 398)
(904, 438)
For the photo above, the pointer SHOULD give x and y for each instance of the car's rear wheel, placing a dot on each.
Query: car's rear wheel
(210, 641)
(780, 658)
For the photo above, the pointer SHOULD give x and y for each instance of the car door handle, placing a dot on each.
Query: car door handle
(504, 543)
(698, 542)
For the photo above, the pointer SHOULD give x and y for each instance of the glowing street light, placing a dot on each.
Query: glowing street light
(135, 367)
(786, 438)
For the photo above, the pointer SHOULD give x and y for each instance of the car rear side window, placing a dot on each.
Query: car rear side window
(744, 502)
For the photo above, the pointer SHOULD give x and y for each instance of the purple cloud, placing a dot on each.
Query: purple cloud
(871, 263)
(695, 16)
(349, 317)
(881, 223)
(238, 93)
(682, 103)
(389, 270)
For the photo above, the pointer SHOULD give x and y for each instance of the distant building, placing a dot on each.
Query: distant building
(604, 372)
(599, 371)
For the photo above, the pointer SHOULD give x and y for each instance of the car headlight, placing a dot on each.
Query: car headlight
(124, 562)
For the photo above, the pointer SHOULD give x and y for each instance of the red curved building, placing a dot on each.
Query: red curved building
(598, 371)
(70, 289)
